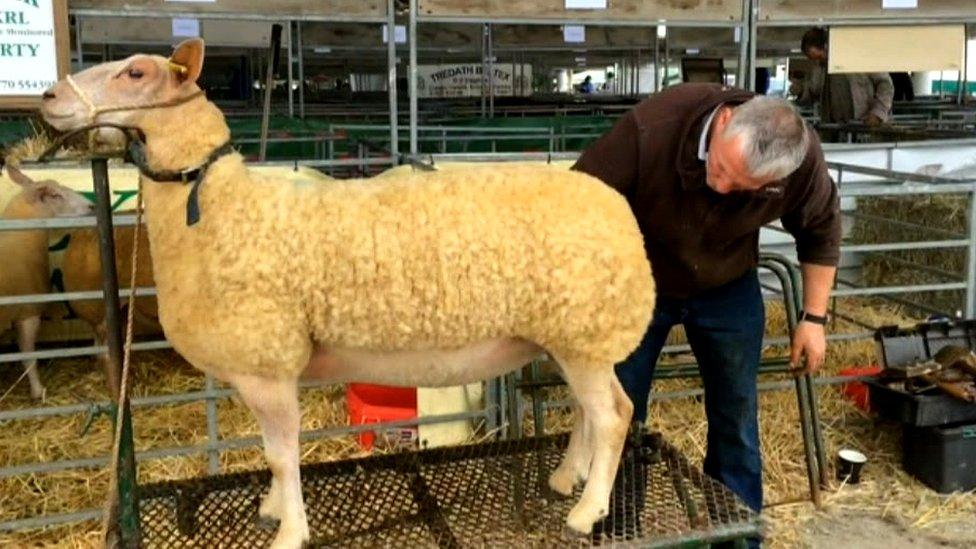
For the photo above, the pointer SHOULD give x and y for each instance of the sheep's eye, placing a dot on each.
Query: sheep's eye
(135, 74)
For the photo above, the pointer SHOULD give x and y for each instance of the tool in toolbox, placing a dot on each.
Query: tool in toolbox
(952, 370)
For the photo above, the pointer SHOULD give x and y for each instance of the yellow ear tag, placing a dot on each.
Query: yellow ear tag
(176, 67)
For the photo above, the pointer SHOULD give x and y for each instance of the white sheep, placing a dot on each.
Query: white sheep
(25, 269)
(428, 279)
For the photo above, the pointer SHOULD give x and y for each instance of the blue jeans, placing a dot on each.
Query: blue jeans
(725, 330)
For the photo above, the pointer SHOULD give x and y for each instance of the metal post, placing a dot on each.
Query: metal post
(78, 43)
(971, 258)
(484, 68)
(213, 456)
(657, 64)
(491, 72)
(637, 86)
(269, 84)
(124, 505)
(963, 72)
(743, 29)
(667, 60)
(392, 79)
(753, 16)
(413, 77)
(301, 70)
(290, 51)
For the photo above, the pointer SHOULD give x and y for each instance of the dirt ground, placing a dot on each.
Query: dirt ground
(839, 529)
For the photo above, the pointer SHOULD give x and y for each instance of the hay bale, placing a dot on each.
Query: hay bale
(932, 216)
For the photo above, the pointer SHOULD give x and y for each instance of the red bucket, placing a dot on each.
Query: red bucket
(856, 391)
(375, 403)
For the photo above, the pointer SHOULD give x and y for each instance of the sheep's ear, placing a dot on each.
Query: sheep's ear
(187, 60)
(18, 176)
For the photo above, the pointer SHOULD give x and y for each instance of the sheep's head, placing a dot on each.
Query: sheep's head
(47, 198)
(123, 92)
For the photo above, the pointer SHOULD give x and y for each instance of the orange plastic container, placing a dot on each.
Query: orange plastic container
(857, 391)
(368, 403)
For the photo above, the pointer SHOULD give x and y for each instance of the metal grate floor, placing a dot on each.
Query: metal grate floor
(486, 495)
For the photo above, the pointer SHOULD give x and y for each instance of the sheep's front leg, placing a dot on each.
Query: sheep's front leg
(275, 404)
(26, 338)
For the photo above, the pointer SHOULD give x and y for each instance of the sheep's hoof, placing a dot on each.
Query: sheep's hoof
(266, 523)
(290, 540)
(562, 483)
(581, 520)
(572, 533)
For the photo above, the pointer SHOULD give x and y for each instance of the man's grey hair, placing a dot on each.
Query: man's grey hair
(776, 137)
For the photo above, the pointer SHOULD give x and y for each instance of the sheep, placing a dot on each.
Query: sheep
(25, 259)
(81, 270)
(428, 279)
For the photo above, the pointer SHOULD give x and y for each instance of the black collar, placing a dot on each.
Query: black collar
(137, 153)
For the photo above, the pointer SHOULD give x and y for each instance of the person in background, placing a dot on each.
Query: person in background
(587, 85)
(843, 98)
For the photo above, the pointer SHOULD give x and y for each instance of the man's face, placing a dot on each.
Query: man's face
(814, 53)
(726, 168)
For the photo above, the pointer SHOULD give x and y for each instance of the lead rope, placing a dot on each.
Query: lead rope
(126, 363)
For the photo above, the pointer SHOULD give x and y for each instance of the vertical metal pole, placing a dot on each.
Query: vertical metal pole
(301, 70)
(290, 51)
(413, 77)
(491, 73)
(213, 456)
(667, 60)
(963, 73)
(125, 505)
(78, 43)
(637, 86)
(741, 74)
(971, 258)
(753, 17)
(392, 80)
(484, 68)
(269, 84)
(657, 63)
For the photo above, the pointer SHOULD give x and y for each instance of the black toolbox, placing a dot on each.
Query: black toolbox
(939, 431)
(943, 457)
(898, 347)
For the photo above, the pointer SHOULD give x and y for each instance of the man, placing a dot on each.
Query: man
(843, 98)
(703, 167)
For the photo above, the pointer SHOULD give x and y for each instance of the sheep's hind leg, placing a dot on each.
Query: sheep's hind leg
(575, 466)
(26, 338)
(607, 412)
(275, 404)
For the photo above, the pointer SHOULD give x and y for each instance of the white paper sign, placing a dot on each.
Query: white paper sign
(28, 57)
(188, 28)
(586, 4)
(899, 4)
(399, 34)
(574, 34)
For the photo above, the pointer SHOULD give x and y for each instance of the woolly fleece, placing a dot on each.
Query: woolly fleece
(421, 260)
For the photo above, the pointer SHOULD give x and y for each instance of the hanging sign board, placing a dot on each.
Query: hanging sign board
(896, 48)
(34, 50)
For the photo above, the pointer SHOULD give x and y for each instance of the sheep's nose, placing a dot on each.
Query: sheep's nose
(48, 94)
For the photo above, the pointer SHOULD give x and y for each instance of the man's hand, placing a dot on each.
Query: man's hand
(872, 120)
(810, 341)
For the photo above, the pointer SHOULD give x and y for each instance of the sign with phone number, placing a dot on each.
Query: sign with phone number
(28, 48)
(26, 86)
